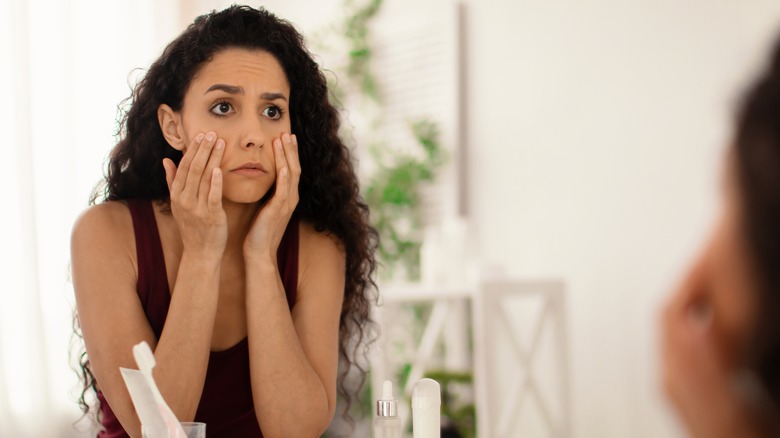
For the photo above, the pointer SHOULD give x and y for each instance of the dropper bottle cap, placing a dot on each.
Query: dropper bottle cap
(387, 406)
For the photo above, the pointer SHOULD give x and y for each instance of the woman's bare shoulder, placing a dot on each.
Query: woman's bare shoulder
(322, 260)
(104, 226)
(312, 240)
(110, 214)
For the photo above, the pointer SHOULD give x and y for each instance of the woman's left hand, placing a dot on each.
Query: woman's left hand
(271, 221)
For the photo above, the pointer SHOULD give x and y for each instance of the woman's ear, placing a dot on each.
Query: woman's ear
(170, 125)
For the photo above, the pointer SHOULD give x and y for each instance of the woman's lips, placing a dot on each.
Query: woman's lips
(250, 170)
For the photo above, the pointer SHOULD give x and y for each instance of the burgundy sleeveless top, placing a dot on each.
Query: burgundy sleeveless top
(226, 404)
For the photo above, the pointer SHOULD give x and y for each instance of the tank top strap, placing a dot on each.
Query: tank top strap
(152, 287)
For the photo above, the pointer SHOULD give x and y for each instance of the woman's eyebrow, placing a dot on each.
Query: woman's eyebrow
(273, 96)
(230, 89)
(233, 89)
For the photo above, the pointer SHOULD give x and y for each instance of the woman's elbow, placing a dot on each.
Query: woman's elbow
(312, 423)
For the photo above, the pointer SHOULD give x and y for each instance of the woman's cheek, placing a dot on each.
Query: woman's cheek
(734, 301)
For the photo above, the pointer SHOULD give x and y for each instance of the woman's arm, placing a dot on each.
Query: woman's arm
(112, 318)
(294, 357)
(105, 281)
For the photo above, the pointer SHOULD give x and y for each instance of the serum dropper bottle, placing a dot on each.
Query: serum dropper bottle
(386, 423)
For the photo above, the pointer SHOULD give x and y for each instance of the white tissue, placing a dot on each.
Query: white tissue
(157, 418)
(144, 402)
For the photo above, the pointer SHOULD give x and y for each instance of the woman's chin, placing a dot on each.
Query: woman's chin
(244, 198)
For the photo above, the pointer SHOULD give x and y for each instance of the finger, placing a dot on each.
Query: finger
(170, 172)
(198, 165)
(282, 171)
(213, 163)
(291, 154)
(296, 149)
(282, 190)
(295, 168)
(215, 192)
(280, 161)
(184, 163)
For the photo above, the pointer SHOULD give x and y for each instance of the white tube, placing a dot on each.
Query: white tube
(426, 409)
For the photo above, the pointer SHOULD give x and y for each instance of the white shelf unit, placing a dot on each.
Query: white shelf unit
(519, 346)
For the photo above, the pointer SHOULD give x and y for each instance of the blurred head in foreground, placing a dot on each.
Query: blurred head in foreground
(721, 340)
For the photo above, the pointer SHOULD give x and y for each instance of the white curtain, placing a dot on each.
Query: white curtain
(64, 67)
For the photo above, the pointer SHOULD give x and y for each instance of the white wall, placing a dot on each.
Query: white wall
(594, 137)
(65, 66)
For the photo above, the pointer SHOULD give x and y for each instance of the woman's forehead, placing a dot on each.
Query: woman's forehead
(249, 69)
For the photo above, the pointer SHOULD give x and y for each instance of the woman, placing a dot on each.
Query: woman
(232, 238)
(721, 330)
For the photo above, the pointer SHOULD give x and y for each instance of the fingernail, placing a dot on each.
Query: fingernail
(286, 137)
(210, 136)
(294, 139)
(220, 144)
(199, 137)
(277, 143)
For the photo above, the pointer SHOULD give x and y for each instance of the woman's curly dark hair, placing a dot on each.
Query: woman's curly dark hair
(329, 192)
(757, 162)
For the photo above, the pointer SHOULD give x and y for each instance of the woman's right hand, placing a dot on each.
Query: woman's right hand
(196, 195)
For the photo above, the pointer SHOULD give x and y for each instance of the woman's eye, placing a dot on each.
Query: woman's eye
(272, 112)
(222, 109)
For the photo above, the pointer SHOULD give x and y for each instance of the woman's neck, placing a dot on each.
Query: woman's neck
(239, 220)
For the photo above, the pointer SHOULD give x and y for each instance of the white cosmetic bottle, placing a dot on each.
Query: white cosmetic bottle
(386, 423)
(426, 409)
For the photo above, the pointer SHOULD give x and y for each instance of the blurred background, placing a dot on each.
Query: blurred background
(545, 170)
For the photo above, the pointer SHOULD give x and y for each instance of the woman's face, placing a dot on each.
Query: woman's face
(728, 286)
(243, 96)
(708, 325)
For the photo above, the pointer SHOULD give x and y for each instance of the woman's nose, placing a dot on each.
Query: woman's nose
(253, 135)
